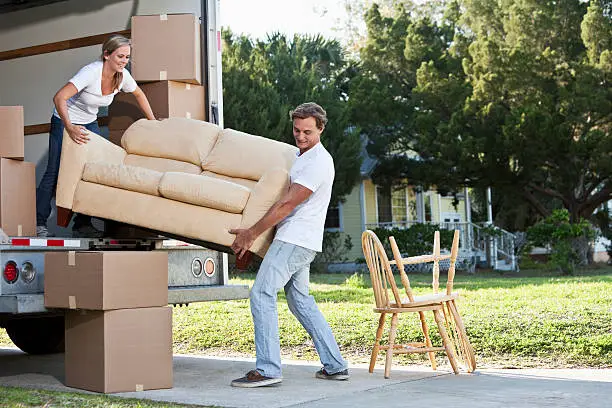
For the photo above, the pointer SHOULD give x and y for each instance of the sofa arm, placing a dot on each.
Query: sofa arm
(73, 159)
(268, 190)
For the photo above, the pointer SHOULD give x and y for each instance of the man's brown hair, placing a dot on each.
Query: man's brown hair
(310, 110)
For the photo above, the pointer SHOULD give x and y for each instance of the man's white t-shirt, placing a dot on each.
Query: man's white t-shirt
(83, 107)
(304, 226)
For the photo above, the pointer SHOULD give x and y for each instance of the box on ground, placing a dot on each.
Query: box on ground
(17, 197)
(166, 47)
(11, 132)
(105, 280)
(119, 350)
(167, 99)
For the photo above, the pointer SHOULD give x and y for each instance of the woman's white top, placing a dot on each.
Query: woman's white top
(83, 107)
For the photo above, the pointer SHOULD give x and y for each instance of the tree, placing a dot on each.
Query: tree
(263, 80)
(512, 94)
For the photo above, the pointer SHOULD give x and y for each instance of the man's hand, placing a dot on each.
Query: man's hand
(244, 240)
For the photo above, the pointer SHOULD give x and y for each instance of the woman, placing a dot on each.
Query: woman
(76, 110)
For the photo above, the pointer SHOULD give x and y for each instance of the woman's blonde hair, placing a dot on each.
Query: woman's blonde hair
(110, 45)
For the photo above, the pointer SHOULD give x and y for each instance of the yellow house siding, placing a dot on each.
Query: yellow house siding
(351, 220)
(370, 202)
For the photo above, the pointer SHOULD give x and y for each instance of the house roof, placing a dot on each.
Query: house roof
(368, 163)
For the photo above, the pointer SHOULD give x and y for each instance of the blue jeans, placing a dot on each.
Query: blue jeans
(288, 266)
(46, 188)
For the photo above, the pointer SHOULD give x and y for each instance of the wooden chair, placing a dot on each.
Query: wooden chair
(388, 301)
(453, 322)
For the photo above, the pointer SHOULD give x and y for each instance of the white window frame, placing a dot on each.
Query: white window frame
(340, 218)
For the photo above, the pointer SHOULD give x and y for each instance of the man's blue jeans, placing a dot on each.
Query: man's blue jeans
(288, 266)
(46, 188)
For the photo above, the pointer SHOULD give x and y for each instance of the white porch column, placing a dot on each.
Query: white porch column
(420, 206)
(362, 205)
(468, 242)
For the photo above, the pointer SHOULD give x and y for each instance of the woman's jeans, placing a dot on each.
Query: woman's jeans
(288, 266)
(46, 188)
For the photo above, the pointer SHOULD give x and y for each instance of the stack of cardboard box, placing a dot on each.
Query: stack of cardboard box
(17, 177)
(166, 62)
(118, 326)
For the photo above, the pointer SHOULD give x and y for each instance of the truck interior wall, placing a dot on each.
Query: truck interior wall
(32, 81)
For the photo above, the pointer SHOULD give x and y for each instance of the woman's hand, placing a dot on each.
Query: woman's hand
(78, 133)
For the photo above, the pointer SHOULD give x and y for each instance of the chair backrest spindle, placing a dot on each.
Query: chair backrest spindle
(380, 270)
(436, 263)
(453, 259)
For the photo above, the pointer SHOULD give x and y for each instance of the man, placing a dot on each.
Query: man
(300, 216)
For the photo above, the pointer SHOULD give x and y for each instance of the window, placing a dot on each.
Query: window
(393, 205)
(333, 219)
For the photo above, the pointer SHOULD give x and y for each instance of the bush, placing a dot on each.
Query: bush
(569, 241)
(415, 240)
(335, 248)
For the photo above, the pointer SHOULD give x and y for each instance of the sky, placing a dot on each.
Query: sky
(260, 17)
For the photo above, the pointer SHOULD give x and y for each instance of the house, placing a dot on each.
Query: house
(369, 206)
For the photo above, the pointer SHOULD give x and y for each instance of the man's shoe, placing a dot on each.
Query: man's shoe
(86, 231)
(42, 231)
(254, 379)
(340, 375)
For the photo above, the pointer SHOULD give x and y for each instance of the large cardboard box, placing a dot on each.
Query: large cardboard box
(167, 99)
(11, 132)
(119, 350)
(105, 280)
(166, 47)
(17, 197)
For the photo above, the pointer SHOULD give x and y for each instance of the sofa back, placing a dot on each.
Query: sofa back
(241, 155)
(197, 147)
(173, 144)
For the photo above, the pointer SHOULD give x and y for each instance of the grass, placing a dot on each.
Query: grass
(533, 319)
(24, 397)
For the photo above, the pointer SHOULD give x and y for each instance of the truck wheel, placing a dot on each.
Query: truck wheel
(38, 335)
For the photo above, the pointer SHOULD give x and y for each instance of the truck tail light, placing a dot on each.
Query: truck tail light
(11, 273)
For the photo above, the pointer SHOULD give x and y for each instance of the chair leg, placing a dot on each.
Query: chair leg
(379, 332)
(450, 353)
(392, 334)
(431, 354)
(64, 215)
(464, 341)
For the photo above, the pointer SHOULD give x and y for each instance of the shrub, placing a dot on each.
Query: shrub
(415, 240)
(569, 241)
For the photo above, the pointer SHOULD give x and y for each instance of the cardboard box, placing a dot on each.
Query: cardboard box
(166, 47)
(167, 99)
(17, 197)
(105, 280)
(119, 350)
(11, 132)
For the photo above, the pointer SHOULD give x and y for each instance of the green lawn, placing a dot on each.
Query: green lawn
(534, 319)
(23, 397)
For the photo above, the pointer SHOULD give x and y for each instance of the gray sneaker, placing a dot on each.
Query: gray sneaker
(42, 231)
(254, 379)
(340, 375)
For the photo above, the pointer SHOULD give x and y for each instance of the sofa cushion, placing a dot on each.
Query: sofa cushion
(180, 139)
(204, 191)
(125, 177)
(160, 164)
(250, 184)
(242, 155)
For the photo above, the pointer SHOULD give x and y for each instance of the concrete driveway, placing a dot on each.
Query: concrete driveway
(205, 381)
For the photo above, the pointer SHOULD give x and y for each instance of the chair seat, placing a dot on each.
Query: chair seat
(424, 300)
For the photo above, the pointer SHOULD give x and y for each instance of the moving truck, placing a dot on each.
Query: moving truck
(42, 44)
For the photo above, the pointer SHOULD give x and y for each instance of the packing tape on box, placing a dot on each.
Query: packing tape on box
(187, 86)
(188, 115)
(19, 231)
(72, 302)
(163, 17)
(139, 387)
(71, 258)
(163, 75)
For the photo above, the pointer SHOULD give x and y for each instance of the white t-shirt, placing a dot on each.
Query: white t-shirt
(83, 107)
(304, 226)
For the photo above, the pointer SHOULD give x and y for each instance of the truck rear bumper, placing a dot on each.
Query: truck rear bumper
(35, 303)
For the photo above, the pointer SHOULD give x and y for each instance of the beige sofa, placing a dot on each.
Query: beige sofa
(182, 177)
